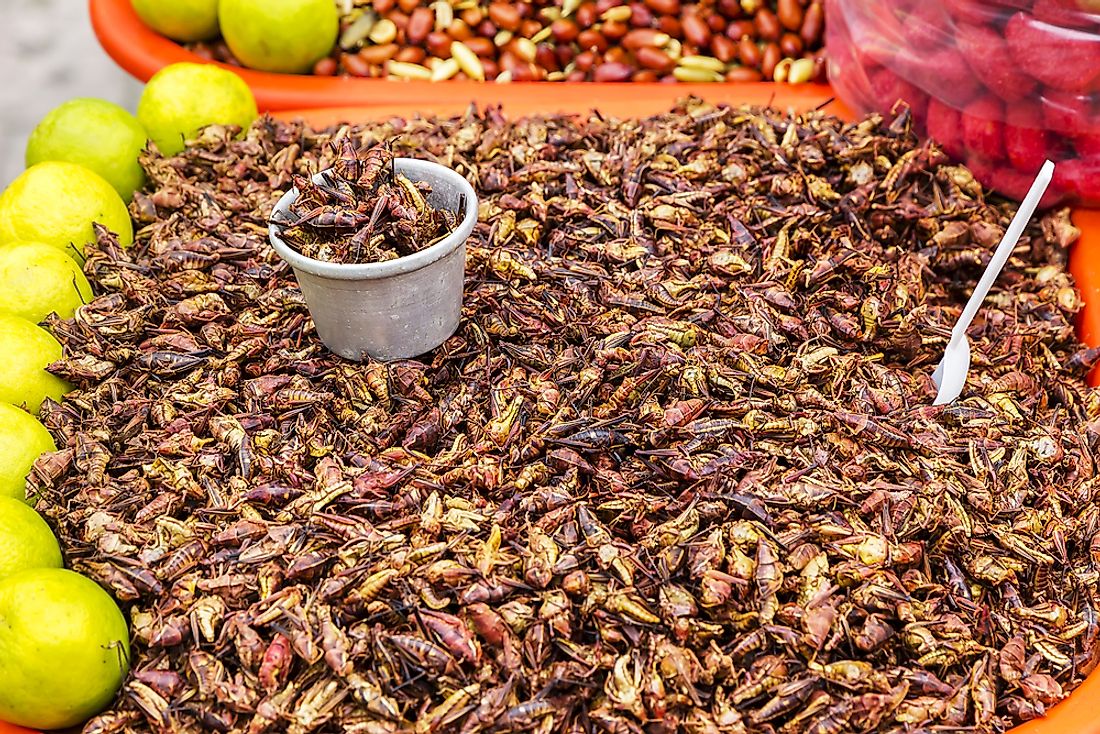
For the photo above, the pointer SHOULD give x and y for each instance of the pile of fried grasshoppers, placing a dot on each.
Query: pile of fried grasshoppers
(678, 470)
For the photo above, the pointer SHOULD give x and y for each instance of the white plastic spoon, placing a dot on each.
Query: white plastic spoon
(950, 375)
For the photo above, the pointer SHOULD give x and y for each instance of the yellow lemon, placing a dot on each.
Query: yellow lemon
(286, 36)
(26, 541)
(99, 135)
(64, 648)
(183, 98)
(180, 20)
(36, 279)
(28, 350)
(22, 440)
(56, 202)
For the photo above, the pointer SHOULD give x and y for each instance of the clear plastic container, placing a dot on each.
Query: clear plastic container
(1000, 84)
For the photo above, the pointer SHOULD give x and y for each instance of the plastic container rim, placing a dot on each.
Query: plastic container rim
(390, 268)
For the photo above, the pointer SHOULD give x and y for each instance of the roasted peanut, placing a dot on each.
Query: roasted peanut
(654, 58)
(524, 48)
(355, 64)
(614, 30)
(403, 70)
(612, 72)
(770, 59)
(527, 73)
(459, 31)
(483, 47)
(325, 67)
(618, 55)
(439, 44)
(723, 48)
(445, 69)
(640, 16)
(749, 53)
(781, 70)
(586, 15)
(696, 76)
(564, 53)
(505, 15)
(564, 30)
(640, 37)
(444, 15)
(664, 7)
(729, 8)
(384, 31)
(546, 58)
(472, 16)
(420, 24)
(585, 60)
(789, 13)
(791, 45)
(400, 21)
(736, 30)
(411, 55)
(813, 24)
(671, 26)
(709, 63)
(767, 25)
(801, 71)
(696, 30)
(378, 54)
(591, 39)
(743, 74)
(617, 14)
(468, 61)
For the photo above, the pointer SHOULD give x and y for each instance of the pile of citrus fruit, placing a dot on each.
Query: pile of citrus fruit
(64, 643)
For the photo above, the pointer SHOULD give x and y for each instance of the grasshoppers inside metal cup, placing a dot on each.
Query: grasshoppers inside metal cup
(395, 309)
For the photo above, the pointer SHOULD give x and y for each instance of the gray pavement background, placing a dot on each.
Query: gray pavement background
(48, 54)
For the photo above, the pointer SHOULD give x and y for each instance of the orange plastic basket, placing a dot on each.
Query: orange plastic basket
(143, 52)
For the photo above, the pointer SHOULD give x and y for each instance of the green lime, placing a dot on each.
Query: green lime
(56, 202)
(279, 35)
(37, 279)
(97, 134)
(64, 648)
(22, 440)
(183, 98)
(180, 20)
(28, 350)
(26, 541)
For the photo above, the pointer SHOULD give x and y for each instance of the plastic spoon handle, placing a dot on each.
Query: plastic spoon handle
(1008, 244)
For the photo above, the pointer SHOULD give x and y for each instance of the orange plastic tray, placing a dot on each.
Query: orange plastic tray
(1078, 714)
(1084, 263)
(13, 729)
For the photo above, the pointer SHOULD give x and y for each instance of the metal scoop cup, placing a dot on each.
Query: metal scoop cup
(396, 309)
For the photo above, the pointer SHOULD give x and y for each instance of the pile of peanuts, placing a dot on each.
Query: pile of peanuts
(577, 40)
